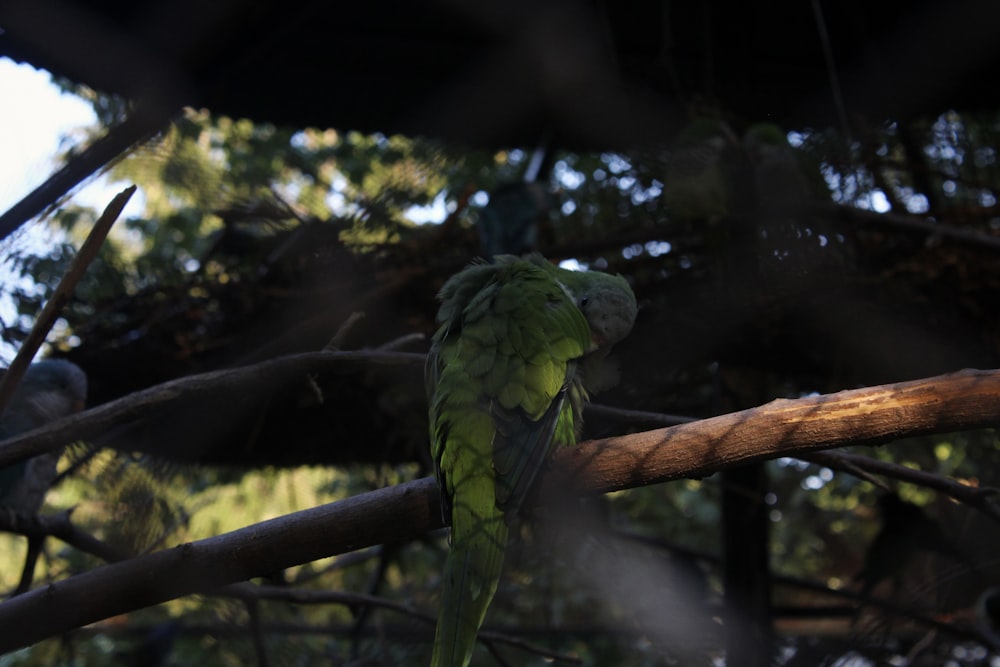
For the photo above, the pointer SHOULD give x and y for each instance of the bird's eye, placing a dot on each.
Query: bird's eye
(584, 300)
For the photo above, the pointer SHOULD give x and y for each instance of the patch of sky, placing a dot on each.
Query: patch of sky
(795, 139)
(651, 248)
(817, 481)
(433, 213)
(567, 177)
(616, 163)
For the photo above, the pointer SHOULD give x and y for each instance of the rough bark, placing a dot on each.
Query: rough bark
(959, 401)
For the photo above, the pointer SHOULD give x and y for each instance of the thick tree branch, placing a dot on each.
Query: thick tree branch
(959, 401)
(353, 523)
(964, 400)
(234, 382)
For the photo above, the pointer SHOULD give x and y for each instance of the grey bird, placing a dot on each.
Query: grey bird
(49, 390)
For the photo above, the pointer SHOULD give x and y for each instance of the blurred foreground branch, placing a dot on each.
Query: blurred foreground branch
(239, 381)
(959, 401)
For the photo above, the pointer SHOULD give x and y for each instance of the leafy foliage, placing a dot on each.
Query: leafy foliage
(258, 240)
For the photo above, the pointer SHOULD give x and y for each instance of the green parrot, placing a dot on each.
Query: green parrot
(780, 184)
(696, 184)
(507, 376)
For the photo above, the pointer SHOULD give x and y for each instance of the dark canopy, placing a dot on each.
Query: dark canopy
(590, 74)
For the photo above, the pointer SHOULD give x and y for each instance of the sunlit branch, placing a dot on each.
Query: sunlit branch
(958, 401)
(964, 400)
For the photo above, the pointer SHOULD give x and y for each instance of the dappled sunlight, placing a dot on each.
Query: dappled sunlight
(782, 464)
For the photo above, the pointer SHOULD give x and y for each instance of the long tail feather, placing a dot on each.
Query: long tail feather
(471, 573)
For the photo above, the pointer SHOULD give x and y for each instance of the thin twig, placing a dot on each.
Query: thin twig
(253, 611)
(61, 295)
(495, 652)
(247, 591)
(35, 544)
(341, 562)
(637, 416)
(491, 636)
(845, 466)
(350, 323)
(831, 71)
(977, 497)
(363, 612)
(812, 585)
(402, 341)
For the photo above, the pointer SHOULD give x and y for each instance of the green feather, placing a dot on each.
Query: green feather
(501, 368)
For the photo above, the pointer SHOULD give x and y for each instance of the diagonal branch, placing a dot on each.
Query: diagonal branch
(61, 295)
(964, 400)
(236, 382)
(60, 527)
(959, 401)
(979, 497)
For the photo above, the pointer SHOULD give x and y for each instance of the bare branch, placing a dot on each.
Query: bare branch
(637, 416)
(964, 400)
(371, 518)
(959, 401)
(96, 421)
(345, 329)
(250, 592)
(912, 224)
(978, 497)
(253, 611)
(818, 458)
(141, 124)
(402, 341)
(61, 295)
(60, 527)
